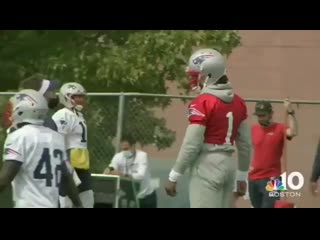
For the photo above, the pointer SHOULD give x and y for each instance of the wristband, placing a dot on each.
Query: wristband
(174, 176)
(242, 175)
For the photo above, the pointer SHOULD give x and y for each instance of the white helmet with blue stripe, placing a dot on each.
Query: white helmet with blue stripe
(207, 65)
(29, 106)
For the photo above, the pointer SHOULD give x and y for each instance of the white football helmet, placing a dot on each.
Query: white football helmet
(194, 69)
(28, 106)
(67, 91)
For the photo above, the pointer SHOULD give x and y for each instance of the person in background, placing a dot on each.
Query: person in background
(315, 173)
(134, 164)
(268, 138)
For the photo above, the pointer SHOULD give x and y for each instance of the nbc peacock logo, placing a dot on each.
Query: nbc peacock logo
(275, 185)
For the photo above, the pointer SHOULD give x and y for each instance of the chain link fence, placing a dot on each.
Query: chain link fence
(158, 123)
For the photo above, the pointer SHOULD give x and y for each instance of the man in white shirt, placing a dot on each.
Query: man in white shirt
(133, 163)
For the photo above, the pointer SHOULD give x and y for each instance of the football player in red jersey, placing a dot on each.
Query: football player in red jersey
(217, 120)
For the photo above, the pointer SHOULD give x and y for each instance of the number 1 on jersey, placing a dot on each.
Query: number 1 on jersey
(84, 133)
(230, 127)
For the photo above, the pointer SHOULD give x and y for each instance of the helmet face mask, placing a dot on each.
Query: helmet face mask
(195, 79)
(79, 100)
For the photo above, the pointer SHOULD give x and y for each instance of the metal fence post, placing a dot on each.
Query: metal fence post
(120, 120)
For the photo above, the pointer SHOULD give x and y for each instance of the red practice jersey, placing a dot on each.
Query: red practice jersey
(221, 119)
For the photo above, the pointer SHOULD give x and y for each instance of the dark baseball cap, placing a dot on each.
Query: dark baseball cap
(53, 85)
(263, 106)
(49, 85)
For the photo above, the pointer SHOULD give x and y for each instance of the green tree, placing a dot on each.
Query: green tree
(111, 61)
